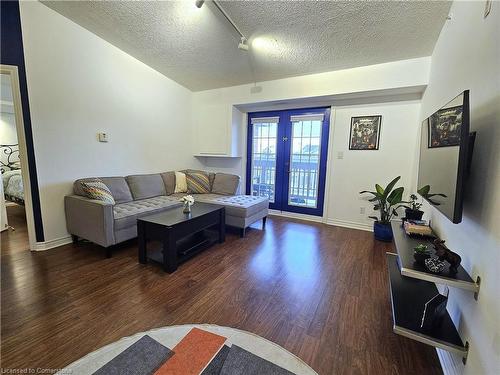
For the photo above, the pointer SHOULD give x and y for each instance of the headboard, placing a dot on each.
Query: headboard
(9, 158)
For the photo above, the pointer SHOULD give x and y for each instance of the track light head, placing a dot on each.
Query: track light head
(199, 3)
(243, 45)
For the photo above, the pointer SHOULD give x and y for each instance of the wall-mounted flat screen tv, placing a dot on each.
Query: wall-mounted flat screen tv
(445, 153)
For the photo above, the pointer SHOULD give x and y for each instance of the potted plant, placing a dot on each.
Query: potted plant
(412, 207)
(421, 253)
(384, 201)
(412, 210)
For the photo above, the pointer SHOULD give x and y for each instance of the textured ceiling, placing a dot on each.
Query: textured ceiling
(198, 49)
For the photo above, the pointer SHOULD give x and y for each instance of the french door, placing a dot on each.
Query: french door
(286, 158)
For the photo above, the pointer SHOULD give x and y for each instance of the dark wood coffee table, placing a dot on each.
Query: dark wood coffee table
(181, 235)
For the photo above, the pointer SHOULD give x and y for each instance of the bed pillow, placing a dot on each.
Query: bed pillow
(180, 183)
(97, 190)
(198, 183)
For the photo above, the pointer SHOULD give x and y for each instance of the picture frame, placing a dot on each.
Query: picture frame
(444, 127)
(365, 132)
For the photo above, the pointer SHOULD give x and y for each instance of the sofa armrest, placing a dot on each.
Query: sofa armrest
(90, 219)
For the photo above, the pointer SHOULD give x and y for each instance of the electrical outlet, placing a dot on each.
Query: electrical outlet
(361, 210)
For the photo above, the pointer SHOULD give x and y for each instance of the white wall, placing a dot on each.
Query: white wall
(467, 56)
(397, 74)
(390, 76)
(79, 85)
(360, 170)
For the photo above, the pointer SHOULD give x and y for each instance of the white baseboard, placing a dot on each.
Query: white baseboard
(350, 224)
(294, 215)
(449, 363)
(41, 246)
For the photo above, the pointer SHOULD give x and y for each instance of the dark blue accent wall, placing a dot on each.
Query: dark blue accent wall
(12, 53)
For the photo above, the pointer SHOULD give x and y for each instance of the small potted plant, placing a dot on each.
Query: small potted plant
(412, 207)
(412, 210)
(421, 253)
(385, 201)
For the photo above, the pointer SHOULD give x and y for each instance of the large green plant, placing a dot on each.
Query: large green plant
(425, 191)
(385, 200)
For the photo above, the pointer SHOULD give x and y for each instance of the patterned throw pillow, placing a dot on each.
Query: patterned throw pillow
(198, 183)
(96, 189)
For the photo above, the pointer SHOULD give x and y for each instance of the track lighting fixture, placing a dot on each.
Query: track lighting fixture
(243, 45)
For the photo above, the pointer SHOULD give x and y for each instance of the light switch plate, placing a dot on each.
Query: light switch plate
(103, 137)
(340, 155)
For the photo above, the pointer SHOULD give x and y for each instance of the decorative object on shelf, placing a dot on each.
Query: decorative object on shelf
(365, 133)
(412, 209)
(384, 201)
(188, 201)
(434, 265)
(444, 127)
(418, 228)
(447, 255)
(421, 253)
(434, 312)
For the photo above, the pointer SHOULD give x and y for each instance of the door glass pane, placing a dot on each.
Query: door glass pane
(264, 159)
(304, 164)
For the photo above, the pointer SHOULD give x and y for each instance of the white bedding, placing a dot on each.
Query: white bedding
(13, 184)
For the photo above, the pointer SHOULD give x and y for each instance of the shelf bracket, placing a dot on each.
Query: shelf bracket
(478, 283)
(464, 358)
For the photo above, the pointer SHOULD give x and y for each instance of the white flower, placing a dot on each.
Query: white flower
(188, 199)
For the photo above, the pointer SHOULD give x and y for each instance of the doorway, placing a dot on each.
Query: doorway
(16, 213)
(286, 158)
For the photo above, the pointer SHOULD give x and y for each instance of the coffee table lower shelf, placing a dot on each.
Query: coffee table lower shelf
(187, 247)
(408, 296)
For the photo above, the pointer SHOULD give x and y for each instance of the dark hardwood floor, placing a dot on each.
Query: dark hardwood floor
(319, 291)
(15, 240)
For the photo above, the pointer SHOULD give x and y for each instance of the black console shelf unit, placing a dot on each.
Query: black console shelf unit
(408, 267)
(408, 296)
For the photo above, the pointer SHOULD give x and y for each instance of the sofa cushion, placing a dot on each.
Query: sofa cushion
(225, 184)
(145, 186)
(126, 214)
(97, 190)
(180, 182)
(117, 185)
(168, 181)
(197, 183)
(237, 205)
(119, 188)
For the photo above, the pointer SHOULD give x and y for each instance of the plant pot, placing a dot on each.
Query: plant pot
(421, 257)
(382, 232)
(413, 214)
(187, 208)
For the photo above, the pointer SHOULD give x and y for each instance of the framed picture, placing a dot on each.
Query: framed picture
(444, 127)
(365, 133)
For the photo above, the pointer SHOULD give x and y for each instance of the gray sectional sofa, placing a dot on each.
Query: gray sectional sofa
(139, 195)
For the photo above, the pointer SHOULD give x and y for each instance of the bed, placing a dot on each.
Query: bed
(11, 173)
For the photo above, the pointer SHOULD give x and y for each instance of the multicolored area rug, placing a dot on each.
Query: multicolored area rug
(191, 350)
